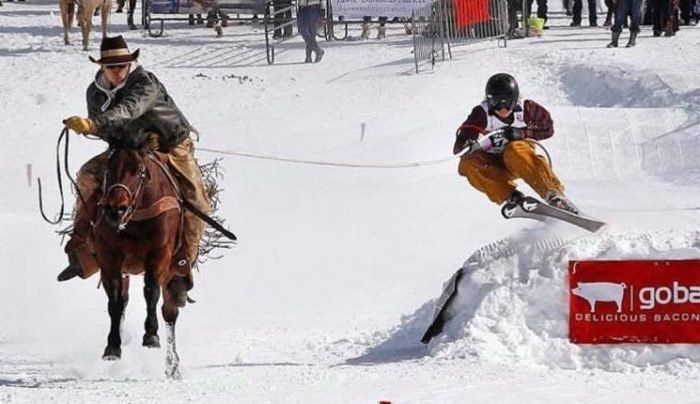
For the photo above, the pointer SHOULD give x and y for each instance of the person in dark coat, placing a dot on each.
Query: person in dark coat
(624, 8)
(308, 15)
(592, 13)
(128, 106)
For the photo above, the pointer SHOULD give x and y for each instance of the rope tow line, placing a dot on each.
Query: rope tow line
(328, 163)
(486, 140)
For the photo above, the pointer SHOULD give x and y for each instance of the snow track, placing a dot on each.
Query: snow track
(657, 128)
(307, 308)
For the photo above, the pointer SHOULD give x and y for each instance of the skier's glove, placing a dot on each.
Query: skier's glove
(470, 147)
(512, 133)
(84, 126)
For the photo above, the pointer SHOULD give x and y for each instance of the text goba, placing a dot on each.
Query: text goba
(649, 297)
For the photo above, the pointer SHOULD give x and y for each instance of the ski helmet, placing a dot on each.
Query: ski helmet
(502, 91)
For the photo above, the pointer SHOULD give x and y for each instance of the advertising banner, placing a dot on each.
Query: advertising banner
(376, 8)
(634, 302)
(469, 12)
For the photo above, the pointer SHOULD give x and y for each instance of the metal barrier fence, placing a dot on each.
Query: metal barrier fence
(457, 22)
(157, 12)
(428, 38)
(277, 16)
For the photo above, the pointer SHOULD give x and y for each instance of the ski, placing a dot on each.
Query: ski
(531, 208)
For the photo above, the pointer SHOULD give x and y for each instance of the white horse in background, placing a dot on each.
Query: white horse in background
(86, 9)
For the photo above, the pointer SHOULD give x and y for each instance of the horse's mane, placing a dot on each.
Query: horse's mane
(131, 141)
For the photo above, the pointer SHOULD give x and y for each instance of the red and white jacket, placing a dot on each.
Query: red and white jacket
(529, 115)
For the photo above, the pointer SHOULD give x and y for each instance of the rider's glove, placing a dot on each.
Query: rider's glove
(512, 133)
(84, 126)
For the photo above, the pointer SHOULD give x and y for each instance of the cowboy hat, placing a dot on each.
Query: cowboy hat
(113, 51)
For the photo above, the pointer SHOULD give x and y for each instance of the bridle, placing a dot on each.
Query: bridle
(133, 196)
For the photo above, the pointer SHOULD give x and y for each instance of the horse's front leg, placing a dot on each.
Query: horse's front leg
(86, 17)
(172, 359)
(170, 313)
(151, 291)
(161, 263)
(117, 292)
(106, 11)
(67, 10)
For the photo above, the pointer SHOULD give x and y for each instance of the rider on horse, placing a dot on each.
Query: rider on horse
(127, 105)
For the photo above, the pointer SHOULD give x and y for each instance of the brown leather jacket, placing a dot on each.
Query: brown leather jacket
(125, 115)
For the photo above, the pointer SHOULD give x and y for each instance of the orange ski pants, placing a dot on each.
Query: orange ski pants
(494, 174)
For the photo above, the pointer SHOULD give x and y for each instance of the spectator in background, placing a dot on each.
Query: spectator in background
(514, 6)
(308, 14)
(687, 11)
(648, 13)
(281, 18)
(675, 10)
(592, 16)
(198, 8)
(566, 5)
(611, 5)
(190, 19)
(541, 10)
(624, 7)
(381, 30)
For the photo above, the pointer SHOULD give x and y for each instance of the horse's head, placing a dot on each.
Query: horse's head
(123, 185)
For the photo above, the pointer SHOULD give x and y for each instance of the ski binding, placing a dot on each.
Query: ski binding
(531, 208)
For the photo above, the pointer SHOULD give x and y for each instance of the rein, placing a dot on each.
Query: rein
(59, 216)
(131, 210)
(135, 213)
(133, 196)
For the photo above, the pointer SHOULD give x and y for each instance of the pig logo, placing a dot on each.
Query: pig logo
(601, 292)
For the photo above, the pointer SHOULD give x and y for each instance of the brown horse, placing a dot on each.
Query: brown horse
(86, 10)
(138, 230)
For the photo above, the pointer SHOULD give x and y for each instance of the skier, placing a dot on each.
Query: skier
(511, 123)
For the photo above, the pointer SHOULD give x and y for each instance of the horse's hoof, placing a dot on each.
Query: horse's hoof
(173, 374)
(151, 341)
(112, 353)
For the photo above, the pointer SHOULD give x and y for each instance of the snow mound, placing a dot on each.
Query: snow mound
(512, 306)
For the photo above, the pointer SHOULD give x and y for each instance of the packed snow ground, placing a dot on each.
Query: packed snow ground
(332, 283)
